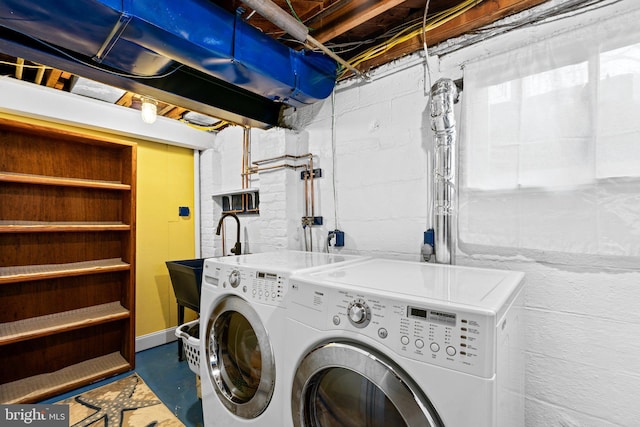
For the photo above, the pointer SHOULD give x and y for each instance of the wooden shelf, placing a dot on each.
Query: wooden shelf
(8, 226)
(51, 271)
(67, 259)
(38, 387)
(36, 327)
(61, 181)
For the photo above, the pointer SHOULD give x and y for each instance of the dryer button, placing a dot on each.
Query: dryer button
(404, 340)
(419, 343)
(451, 351)
(434, 347)
(382, 333)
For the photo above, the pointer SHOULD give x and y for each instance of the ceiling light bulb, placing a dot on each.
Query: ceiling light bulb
(148, 110)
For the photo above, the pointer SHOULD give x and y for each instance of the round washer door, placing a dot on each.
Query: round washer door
(344, 384)
(240, 358)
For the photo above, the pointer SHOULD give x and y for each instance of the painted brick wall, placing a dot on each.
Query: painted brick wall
(582, 318)
(281, 192)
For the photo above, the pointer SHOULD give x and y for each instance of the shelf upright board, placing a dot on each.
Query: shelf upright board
(67, 259)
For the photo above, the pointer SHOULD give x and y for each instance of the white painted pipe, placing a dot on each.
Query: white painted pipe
(279, 17)
(296, 29)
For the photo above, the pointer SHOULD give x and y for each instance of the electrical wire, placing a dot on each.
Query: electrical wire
(427, 92)
(293, 11)
(558, 13)
(412, 31)
(427, 87)
(333, 159)
(215, 127)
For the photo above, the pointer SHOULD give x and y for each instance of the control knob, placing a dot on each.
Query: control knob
(359, 313)
(234, 278)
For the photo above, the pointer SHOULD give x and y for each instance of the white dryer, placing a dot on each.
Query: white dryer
(393, 343)
(242, 334)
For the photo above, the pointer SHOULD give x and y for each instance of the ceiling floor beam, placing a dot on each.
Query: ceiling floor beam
(349, 16)
(482, 14)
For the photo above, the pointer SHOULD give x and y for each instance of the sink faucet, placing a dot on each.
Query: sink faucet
(236, 249)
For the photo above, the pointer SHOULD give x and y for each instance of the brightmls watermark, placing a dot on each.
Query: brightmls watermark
(34, 415)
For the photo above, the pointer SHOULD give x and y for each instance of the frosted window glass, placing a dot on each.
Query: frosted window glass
(550, 144)
(618, 133)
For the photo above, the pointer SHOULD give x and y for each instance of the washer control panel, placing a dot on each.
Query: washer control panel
(428, 332)
(255, 285)
(359, 313)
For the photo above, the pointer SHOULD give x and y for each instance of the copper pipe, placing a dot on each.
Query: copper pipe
(246, 135)
(309, 187)
(310, 173)
(253, 170)
(306, 195)
(283, 157)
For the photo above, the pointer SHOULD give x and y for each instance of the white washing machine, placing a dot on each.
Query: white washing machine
(393, 343)
(242, 334)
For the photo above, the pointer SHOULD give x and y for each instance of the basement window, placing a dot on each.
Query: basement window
(550, 145)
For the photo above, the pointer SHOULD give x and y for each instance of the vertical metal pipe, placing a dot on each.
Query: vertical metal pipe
(444, 95)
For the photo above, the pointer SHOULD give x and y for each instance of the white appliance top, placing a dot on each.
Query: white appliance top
(286, 261)
(483, 289)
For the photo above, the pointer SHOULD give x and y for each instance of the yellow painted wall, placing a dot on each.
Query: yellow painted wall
(165, 182)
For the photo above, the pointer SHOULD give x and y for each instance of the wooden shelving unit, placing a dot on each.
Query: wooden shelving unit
(67, 260)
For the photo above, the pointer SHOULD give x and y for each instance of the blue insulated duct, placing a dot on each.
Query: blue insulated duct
(146, 38)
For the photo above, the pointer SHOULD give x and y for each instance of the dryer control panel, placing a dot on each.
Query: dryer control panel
(255, 285)
(428, 332)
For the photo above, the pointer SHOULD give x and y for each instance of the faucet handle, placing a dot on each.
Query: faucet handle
(236, 249)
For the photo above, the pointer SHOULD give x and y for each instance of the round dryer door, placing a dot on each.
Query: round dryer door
(240, 358)
(344, 384)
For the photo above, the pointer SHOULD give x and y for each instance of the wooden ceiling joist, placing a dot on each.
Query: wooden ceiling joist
(39, 75)
(19, 68)
(482, 14)
(176, 113)
(349, 16)
(126, 99)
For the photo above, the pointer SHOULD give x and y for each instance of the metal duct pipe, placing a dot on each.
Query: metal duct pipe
(444, 95)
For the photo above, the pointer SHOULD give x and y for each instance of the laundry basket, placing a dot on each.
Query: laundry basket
(189, 333)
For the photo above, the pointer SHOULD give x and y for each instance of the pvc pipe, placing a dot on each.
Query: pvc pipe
(296, 29)
(279, 17)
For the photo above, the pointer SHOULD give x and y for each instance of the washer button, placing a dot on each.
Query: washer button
(404, 340)
(435, 347)
(336, 320)
(451, 351)
(419, 343)
(382, 333)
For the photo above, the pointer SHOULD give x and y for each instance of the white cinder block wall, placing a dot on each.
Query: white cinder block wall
(583, 319)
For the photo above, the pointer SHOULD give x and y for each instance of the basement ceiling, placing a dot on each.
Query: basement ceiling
(365, 33)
